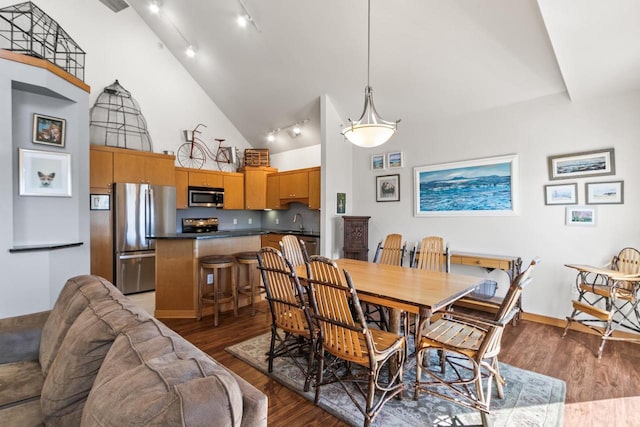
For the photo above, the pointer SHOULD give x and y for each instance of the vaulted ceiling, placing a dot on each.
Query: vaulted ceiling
(430, 59)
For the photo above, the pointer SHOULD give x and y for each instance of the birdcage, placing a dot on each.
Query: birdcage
(117, 121)
(26, 29)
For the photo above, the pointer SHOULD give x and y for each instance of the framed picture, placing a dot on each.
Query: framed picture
(561, 194)
(395, 159)
(45, 173)
(99, 202)
(377, 162)
(581, 215)
(577, 165)
(341, 203)
(473, 187)
(48, 130)
(388, 188)
(604, 192)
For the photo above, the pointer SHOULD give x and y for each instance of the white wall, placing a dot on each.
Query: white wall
(533, 130)
(306, 157)
(121, 46)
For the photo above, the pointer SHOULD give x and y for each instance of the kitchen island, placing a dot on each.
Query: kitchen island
(177, 267)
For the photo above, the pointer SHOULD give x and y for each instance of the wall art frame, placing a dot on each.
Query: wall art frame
(480, 187)
(341, 203)
(604, 193)
(99, 202)
(44, 173)
(561, 194)
(395, 159)
(583, 164)
(388, 188)
(583, 216)
(378, 162)
(49, 130)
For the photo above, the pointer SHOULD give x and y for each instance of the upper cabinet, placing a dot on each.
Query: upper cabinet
(314, 188)
(273, 192)
(233, 191)
(110, 164)
(294, 184)
(301, 185)
(100, 168)
(255, 186)
(232, 183)
(206, 179)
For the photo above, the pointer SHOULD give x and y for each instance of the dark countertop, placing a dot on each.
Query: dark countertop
(232, 233)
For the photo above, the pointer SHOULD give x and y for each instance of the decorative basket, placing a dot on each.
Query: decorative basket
(256, 157)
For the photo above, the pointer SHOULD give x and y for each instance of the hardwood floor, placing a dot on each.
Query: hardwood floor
(602, 392)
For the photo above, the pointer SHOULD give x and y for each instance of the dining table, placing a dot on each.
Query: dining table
(407, 289)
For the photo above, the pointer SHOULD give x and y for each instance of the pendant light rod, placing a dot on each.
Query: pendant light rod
(368, 40)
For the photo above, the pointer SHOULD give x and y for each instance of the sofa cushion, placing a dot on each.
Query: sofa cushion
(73, 299)
(24, 414)
(155, 377)
(19, 382)
(83, 349)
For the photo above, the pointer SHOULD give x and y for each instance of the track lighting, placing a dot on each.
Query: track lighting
(154, 7)
(245, 17)
(190, 52)
(242, 20)
(294, 130)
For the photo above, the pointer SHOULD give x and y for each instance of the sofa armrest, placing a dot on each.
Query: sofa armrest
(20, 337)
(255, 404)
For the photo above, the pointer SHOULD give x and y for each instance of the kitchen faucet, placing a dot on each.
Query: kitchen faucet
(295, 218)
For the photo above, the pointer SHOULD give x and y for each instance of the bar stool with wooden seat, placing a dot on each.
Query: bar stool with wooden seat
(252, 286)
(217, 264)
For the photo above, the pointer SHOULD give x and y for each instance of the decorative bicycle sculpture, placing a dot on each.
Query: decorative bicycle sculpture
(194, 153)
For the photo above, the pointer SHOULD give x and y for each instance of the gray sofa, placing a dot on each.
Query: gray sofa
(96, 359)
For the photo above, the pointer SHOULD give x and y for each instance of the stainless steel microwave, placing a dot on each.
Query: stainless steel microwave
(206, 197)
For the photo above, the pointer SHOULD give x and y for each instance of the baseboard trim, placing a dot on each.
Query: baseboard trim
(546, 320)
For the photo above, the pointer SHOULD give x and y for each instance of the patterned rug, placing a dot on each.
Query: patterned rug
(531, 399)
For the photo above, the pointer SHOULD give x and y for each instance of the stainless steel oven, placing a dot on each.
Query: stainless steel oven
(206, 197)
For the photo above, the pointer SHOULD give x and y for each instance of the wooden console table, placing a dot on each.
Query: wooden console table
(509, 264)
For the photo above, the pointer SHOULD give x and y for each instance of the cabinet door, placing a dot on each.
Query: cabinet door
(255, 185)
(271, 240)
(273, 192)
(101, 240)
(206, 179)
(233, 191)
(182, 182)
(314, 189)
(100, 169)
(294, 185)
(160, 171)
(128, 168)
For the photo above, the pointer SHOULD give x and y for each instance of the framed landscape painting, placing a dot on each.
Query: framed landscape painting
(581, 216)
(577, 165)
(562, 194)
(481, 187)
(604, 192)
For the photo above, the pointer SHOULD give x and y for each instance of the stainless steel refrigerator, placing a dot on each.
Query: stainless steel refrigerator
(140, 210)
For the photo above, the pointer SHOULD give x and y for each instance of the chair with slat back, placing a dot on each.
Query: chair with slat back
(289, 312)
(391, 253)
(470, 346)
(604, 303)
(293, 250)
(359, 354)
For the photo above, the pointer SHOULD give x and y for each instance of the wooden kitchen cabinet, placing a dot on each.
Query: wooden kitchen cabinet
(182, 188)
(143, 167)
(314, 188)
(206, 179)
(294, 184)
(233, 184)
(100, 168)
(271, 240)
(273, 192)
(255, 186)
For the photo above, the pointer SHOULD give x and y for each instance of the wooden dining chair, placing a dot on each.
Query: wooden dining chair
(292, 331)
(605, 302)
(391, 252)
(357, 354)
(294, 250)
(470, 346)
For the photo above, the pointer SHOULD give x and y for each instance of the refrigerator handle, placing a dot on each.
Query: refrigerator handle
(147, 212)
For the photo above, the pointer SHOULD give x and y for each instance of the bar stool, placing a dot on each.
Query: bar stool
(216, 264)
(250, 260)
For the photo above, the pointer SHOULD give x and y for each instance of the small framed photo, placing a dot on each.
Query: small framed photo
(580, 165)
(377, 162)
(395, 159)
(99, 202)
(561, 194)
(388, 188)
(601, 193)
(581, 215)
(341, 203)
(48, 130)
(45, 173)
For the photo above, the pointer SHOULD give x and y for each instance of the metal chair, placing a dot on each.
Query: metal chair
(294, 250)
(470, 346)
(350, 352)
(392, 253)
(292, 332)
(608, 297)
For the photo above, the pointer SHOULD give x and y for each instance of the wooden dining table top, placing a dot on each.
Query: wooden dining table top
(404, 288)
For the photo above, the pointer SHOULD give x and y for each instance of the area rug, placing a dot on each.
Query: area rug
(531, 399)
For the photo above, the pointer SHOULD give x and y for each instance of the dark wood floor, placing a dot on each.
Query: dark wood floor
(602, 392)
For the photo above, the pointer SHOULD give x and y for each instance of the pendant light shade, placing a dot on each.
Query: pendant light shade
(370, 130)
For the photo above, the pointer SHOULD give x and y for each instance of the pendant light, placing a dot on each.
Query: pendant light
(370, 130)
